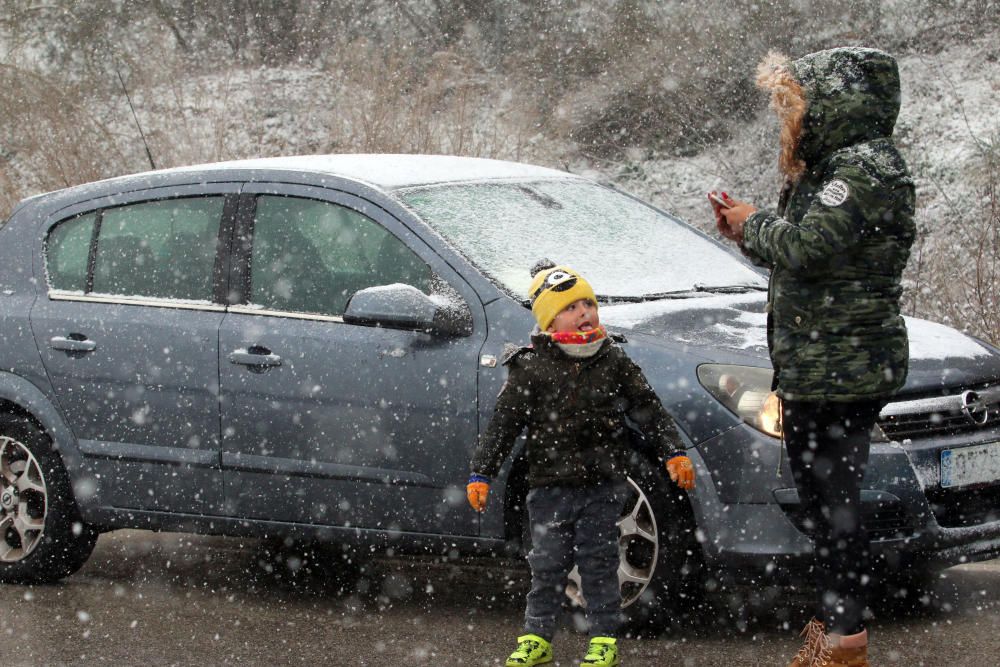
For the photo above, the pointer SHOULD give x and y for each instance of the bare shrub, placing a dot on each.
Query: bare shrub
(448, 105)
(51, 137)
(678, 78)
(956, 272)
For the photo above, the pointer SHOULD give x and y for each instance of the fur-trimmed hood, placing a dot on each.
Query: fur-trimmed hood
(828, 100)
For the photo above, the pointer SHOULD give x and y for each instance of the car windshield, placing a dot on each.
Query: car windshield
(625, 248)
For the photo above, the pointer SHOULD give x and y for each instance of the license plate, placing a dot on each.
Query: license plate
(970, 465)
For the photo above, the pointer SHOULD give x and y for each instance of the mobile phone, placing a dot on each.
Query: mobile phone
(719, 200)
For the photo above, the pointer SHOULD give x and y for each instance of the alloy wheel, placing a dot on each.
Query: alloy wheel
(638, 547)
(23, 501)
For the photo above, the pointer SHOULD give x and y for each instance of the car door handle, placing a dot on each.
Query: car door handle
(72, 343)
(254, 356)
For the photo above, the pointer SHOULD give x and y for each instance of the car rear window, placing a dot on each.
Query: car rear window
(67, 250)
(160, 249)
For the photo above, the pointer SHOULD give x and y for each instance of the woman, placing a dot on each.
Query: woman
(836, 246)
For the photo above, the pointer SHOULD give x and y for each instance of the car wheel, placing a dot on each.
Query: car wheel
(42, 536)
(661, 561)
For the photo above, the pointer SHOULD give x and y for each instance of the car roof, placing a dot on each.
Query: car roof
(387, 171)
(384, 172)
(380, 171)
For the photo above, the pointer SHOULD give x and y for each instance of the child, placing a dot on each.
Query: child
(572, 389)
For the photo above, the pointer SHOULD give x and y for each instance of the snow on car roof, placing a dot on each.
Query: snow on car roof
(382, 171)
(393, 171)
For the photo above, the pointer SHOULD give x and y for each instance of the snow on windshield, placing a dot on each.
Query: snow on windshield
(622, 247)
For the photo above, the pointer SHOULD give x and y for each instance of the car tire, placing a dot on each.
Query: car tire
(672, 594)
(661, 560)
(43, 538)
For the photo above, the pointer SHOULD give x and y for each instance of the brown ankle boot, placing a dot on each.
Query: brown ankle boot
(816, 648)
(856, 656)
(819, 651)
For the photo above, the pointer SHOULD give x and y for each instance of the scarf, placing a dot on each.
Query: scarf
(580, 344)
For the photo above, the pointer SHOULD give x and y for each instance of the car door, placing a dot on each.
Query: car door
(128, 334)
(331, 423)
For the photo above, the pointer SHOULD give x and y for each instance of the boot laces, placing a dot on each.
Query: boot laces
(816, 650)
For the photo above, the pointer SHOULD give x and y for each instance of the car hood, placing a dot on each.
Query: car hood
(728, 327)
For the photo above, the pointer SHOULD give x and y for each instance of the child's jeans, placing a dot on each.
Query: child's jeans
(574, 524)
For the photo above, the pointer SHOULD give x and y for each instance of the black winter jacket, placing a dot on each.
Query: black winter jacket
(575, 413)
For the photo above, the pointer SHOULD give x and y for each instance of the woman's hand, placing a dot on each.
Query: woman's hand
(729, 219)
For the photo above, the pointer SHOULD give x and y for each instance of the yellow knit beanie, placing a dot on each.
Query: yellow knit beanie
(553, 288)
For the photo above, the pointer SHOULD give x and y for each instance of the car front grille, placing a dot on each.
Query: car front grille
(882, 514)
(955, 508)
(887, 522)
(959, 412)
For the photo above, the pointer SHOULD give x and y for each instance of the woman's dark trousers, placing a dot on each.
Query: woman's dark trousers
(828, 445)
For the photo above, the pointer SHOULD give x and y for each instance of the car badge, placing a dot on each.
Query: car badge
(974, 408)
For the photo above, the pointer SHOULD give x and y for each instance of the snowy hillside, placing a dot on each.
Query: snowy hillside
(949, 131)
(640, 94)
(949, 109)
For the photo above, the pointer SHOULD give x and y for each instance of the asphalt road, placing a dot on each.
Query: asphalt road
(172, 599)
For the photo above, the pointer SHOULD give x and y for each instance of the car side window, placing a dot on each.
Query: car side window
(67, 253)
(311, 256)
(162, 249)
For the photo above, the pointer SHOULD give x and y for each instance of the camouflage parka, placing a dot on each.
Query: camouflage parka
(574, 411)
(841, 236)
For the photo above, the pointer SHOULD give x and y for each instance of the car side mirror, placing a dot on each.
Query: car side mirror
(400, 306)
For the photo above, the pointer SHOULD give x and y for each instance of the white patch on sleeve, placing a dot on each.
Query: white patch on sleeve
(834, 193)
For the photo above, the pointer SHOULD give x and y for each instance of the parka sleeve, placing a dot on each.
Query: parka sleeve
(510, 416)
(834, 221)
(646, 410)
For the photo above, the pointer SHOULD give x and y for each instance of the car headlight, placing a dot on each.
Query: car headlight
(746, 390)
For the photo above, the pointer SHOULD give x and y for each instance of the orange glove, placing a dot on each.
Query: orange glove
(477, 491)
(681, 471)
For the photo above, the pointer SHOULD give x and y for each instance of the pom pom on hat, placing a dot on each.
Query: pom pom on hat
(541, 265)
(553, 288)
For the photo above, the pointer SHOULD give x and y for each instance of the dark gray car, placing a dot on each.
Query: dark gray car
(308, 348)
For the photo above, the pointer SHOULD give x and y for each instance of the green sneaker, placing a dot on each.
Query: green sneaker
(531, 650)
(602, 652)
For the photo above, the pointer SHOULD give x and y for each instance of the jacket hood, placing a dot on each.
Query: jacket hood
(850, 95)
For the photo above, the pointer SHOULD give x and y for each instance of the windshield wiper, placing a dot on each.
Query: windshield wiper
(656, 296)
(678, 294)
(729, 289)
(684, 293)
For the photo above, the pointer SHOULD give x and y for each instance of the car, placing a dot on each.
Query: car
(309, 347)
